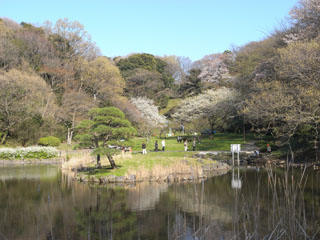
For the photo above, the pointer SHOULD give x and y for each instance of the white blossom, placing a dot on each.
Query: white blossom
(214, 68)
(27, 152)
(149, 111)
(203, 104)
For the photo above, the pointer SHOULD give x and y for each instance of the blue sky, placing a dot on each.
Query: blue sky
(191, 28)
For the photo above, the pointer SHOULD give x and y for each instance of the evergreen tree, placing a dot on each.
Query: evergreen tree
(105, 127)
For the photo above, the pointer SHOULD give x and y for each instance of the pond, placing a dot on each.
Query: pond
(40, 202)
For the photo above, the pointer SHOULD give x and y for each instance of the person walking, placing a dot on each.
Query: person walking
(185, 145)
(144, 148)
(268, 149)
(156, 146)
(163, 144)
(194, 145)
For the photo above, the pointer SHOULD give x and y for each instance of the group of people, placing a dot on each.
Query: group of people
(156, 146)
(185, 143)
(163, 145)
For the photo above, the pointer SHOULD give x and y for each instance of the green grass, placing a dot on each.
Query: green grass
(171, 104)
(172, 155)
(148, 161)
(220, 142)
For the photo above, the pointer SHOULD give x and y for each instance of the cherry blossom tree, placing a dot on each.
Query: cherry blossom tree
(151, 115)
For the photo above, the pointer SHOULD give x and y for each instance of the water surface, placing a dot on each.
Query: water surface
(39, 202)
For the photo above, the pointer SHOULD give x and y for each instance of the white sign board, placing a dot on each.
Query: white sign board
(235, 148)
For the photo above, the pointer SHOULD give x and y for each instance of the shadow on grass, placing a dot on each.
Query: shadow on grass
(103, 170)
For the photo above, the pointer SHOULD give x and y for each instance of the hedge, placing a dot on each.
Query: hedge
(49, 141)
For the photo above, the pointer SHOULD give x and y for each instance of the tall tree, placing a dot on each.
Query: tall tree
(75, 106)
(75, 41)
(9, 53)
(150, 113)
(102, 79)
(22, 96)
(306, 21)
(192, 84)
(214, 68)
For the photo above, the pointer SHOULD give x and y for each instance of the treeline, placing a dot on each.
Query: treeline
(50, 76)
(272, 86)
(279, 82)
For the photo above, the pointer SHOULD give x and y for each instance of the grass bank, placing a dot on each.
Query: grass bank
(159, 165)
(154, 166)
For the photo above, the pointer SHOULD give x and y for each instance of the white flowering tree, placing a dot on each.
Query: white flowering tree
(150, 112)
(214, 68)
(208, 105)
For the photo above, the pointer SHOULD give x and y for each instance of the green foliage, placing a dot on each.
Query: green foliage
(107, 112)
(192, 85)
(28, 131)
(162, 101)
(251, 55)
(107, 125)
(167, 79)
(30, 27)
(145, 61)
(61, 45)
(49, 141)
(146, 76)
(172, 103)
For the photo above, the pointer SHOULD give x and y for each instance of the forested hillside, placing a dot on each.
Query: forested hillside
(52, 75)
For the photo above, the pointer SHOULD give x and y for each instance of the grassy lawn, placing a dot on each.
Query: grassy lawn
(160, 163)
(144, 164)
(171, 104)
(220, 142)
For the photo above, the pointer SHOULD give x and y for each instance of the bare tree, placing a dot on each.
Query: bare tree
(305, 16)
(75, 107)
(77, 38)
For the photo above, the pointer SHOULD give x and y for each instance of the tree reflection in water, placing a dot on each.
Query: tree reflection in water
(272, 204)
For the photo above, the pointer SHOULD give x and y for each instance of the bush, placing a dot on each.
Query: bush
(28, 153)
(49, 141)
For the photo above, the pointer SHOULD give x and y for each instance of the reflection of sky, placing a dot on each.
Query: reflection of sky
(145, 195)
(154, 210)
(28, 172)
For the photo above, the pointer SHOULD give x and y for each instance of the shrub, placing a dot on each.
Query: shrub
(49, 141)
(28, 153)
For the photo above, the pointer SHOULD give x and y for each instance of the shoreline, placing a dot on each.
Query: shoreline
(184, 173)
(53, 161)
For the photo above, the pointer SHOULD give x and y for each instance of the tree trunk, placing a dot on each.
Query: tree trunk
(4, 137)
(291, 152)
(98, 161)
(69, 137)
(48, 101)
(111, 161)
(244, 128)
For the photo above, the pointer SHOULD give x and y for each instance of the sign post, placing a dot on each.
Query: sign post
(235, 148)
